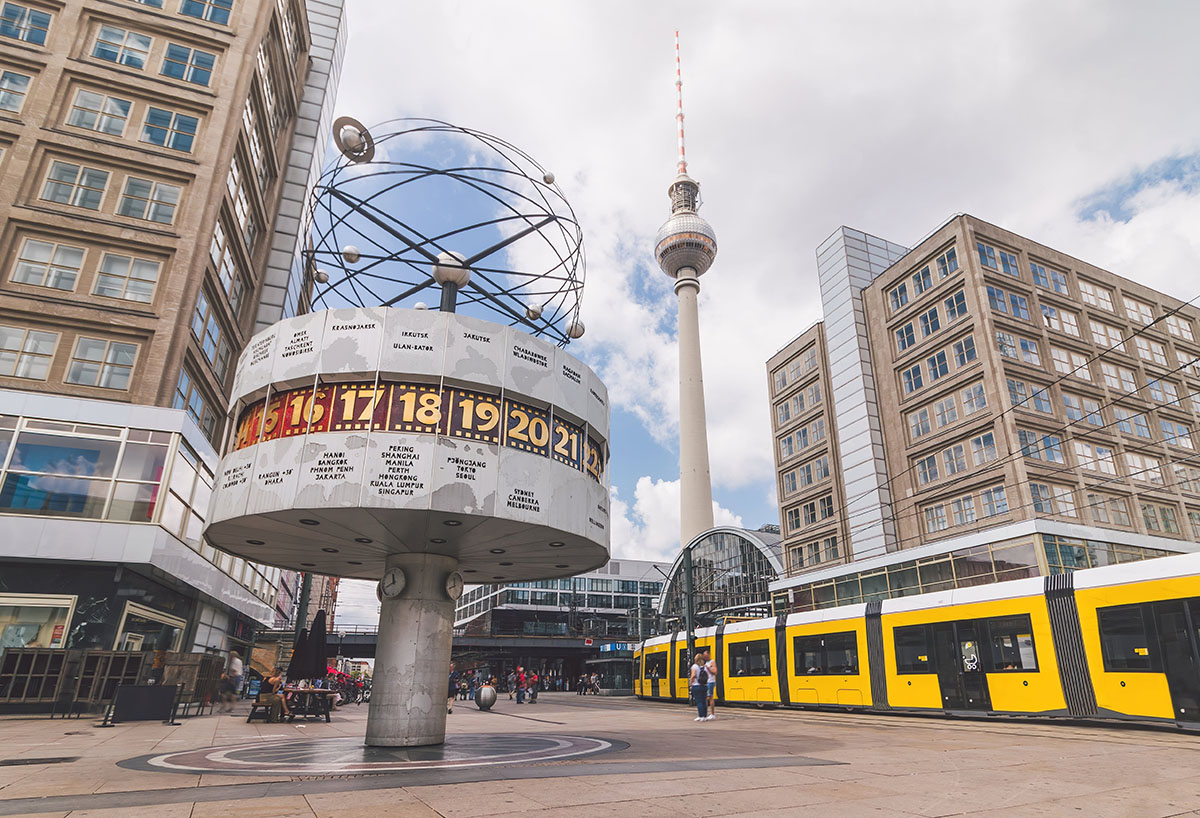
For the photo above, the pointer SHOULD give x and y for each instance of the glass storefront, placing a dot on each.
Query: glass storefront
(34, 620)
(729, 570)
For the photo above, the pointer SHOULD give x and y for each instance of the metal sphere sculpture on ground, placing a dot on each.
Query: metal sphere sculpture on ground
(409, 200)
(485, 697)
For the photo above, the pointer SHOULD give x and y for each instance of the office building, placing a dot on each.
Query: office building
(979, 408)
(151, 153)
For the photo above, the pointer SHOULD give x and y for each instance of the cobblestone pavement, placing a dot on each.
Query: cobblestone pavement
(584, 756)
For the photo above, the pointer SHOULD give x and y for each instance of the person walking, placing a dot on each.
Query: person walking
(710, 666)
(698, 684)
(512, 685)
(581, 686)
(235, 675)
(533, 687)
(452, 690)
(521, 679)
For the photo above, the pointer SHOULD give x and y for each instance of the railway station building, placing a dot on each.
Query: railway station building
(155, 160)
(976, 408)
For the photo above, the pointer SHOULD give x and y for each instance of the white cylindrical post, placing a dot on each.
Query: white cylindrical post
(412, 656)
(695, 486)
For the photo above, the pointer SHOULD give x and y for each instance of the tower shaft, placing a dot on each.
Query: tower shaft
(695, 484)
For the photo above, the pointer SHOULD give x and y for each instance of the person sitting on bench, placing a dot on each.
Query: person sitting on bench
(271, 696)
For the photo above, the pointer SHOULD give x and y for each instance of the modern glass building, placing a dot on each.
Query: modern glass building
(731, 571)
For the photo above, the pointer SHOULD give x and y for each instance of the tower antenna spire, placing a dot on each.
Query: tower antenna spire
(682, 164)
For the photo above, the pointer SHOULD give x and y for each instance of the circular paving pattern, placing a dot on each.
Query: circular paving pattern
(340, 756)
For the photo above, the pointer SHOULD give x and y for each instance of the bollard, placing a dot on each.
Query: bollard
(485, 697)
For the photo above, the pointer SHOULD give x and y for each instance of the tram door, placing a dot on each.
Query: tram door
(1177, 638)
(959, 657)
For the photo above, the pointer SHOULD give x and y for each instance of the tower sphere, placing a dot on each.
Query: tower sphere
(686, 240)
(450, 269)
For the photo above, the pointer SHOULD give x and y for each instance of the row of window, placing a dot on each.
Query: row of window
(132, 49)
(796, 369)
(799, 440)
(110, 115)
(80, 186)
(214, 11)
(930, 321)
(58, 266)
(922, 280)
(952, 460)
(798, 403)
(964, 510)
(810, 513)
(27, 353)
(946, 411)
(937, 366)
(806, 555)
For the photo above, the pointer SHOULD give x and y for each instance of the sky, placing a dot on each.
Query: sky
(1072, 123)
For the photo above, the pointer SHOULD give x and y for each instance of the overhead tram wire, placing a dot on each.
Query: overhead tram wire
(1058, 380)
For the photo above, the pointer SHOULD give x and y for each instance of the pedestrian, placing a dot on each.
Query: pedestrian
(520, 685)
(698, 683)
(581, 686)
(234, 681)
(512, 684)
(453, 689)
(533, 688)
(710, 666)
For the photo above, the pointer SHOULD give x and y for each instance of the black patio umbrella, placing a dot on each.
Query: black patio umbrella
(318, 645)
(298, 665)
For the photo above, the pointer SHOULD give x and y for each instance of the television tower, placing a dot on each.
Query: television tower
(685, 247)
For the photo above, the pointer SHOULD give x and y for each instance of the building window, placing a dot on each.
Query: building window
(1050, 279)
(946, 411)
(1060, 321)
(96, 112)
(151, 201)
(927, 470)
(189, 398)
(44, 264)
(1020, 307)
(13, 87)
(964, 351)
(26, 353)
(918, 423)
(974, 399)
(1008, 264)
(1095, 296)
(935, 519)
(188, 64)
(1150, 350)
(1018, 393)
(132, 279)
(905, 337)
(170, 129)
(1106, 336)
(947, 263)
(929, 323)
(899, 297)
(789, 482)
(1095, 458)
(983, 449)
(987, 256)
(231, 280)
(97, 362)
(1118, 377)
(1131, 422)
(1176, 433)
(1161, 391)
(922, 280)
(912, 379)
(937, 366)
(1070, 363)
(813, 393)
(1137, 311)
(783, 413)
(793, 519)
(1029, 352)
(1180, 327)
(954, 459)
(217, 247)
(214, 11)
(24, 23)
(993, 501)
(956, 306)
(1007, 344)
(74, 185)
(1042, 503)
(821, 464)
(962, 510)
(122, 47)
(1144, 468)
(785, 447)
(997, 300)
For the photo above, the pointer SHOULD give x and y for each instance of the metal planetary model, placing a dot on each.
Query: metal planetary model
(425, 449)
(685, 248)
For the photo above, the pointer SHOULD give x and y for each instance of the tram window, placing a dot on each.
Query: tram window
(830, 654)
(750, 658)
(1123, 639)
(684, 666)
(655, 666)
(1012, 643)
(912, 650)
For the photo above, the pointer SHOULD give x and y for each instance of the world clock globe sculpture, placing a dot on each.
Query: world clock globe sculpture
(375, 438)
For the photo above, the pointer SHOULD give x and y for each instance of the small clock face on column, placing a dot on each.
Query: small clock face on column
(454, 585)
(392, 583)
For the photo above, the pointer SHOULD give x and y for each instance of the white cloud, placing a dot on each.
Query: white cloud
(649, 529)
(801, 117)
(357, 603)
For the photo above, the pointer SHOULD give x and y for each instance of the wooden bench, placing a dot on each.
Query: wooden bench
(259, 709)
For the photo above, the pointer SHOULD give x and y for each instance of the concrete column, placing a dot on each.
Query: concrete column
(412, 656)
(695, 482)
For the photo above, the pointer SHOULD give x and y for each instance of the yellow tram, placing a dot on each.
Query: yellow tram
(1118, 642)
